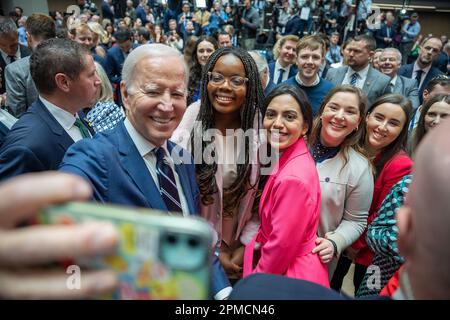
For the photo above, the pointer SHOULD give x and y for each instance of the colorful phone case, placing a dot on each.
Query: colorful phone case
(160, 256)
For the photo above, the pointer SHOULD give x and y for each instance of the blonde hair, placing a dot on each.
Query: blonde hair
(106, 93)
(281, 42)
(98, 30)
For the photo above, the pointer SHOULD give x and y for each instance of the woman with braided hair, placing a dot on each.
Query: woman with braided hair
(231, 96)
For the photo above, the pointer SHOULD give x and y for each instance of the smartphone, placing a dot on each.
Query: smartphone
(159, 256)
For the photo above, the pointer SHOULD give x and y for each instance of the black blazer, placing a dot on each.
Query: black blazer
(407, 71)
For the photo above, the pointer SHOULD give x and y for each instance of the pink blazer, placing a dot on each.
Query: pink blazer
(289, 211)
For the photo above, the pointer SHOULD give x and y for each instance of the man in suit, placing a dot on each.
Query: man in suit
(20, 89)
(116, 56)
(65, 77)
(390, 61)
(358, 72)
(10, 50)
(422, 69)
(422, 224)
(285, 53)
(135, 164)
(385, 35)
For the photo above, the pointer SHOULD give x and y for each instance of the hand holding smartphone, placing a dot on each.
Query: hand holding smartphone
(159, 256)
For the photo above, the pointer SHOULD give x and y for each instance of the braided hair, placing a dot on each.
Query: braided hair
(248, 111)
(195, 73)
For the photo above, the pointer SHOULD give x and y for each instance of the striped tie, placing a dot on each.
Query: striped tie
(167, 185)
(353, 79)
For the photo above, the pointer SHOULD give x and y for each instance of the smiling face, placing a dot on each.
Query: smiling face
(287, 53)
(437, 112)
(390, 63)
(204, 51)
(157, 100)
(384, 125)
(226, 98)
(284, 122)
(309, 62)
(340, 117)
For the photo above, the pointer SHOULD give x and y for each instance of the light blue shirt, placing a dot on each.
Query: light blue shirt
(410, 32)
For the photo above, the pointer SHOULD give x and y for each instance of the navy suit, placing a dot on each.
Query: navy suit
(36, 142)
(118, 174)
(292, 72)
(292, 26)
(114, 61)
(407, 71)
(261, 286)
(382, 33)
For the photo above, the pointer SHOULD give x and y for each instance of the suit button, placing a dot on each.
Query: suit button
(327, 179)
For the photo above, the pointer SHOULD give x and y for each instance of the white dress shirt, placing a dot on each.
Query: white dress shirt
(6, 57)
(145, 149)
(424, 73)
(64, 118)
(361, 79)
(276, 72)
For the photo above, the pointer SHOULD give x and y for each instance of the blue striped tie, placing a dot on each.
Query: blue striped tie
(167, 184)
(353, 79)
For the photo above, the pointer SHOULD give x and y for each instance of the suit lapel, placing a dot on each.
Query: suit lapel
(135, 166)
(399, 85)
(370, 80)
(65, 140)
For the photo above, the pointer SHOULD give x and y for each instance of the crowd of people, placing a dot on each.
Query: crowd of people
(301, 159)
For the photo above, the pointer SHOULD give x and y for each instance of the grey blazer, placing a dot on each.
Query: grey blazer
(408, 88)
(376, 85)
(20, 89)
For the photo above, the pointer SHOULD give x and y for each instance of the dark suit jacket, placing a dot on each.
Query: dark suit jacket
(376, 85)
(381, 33)
(407, 71)
(114, 64)
(36, 142)
(292, 72)
(115, 169)
(261, 286)
(292, 26)
(24, 52)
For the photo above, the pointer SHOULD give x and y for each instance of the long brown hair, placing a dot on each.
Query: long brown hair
(420, 132)
(353, 140)
(399, 144)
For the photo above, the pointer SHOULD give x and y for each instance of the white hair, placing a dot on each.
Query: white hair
(154, 50)
(396, 51)
(261, 62)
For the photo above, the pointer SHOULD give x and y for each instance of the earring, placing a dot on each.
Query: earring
(356, 129)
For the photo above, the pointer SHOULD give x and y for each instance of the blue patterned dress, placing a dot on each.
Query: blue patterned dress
(382, 240)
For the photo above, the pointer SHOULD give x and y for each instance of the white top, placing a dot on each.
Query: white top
(361, 79)
(346, 197)
(276, 72)
(145, 149)
(64, 118)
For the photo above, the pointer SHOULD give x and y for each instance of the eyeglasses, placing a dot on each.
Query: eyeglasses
(218, 79)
